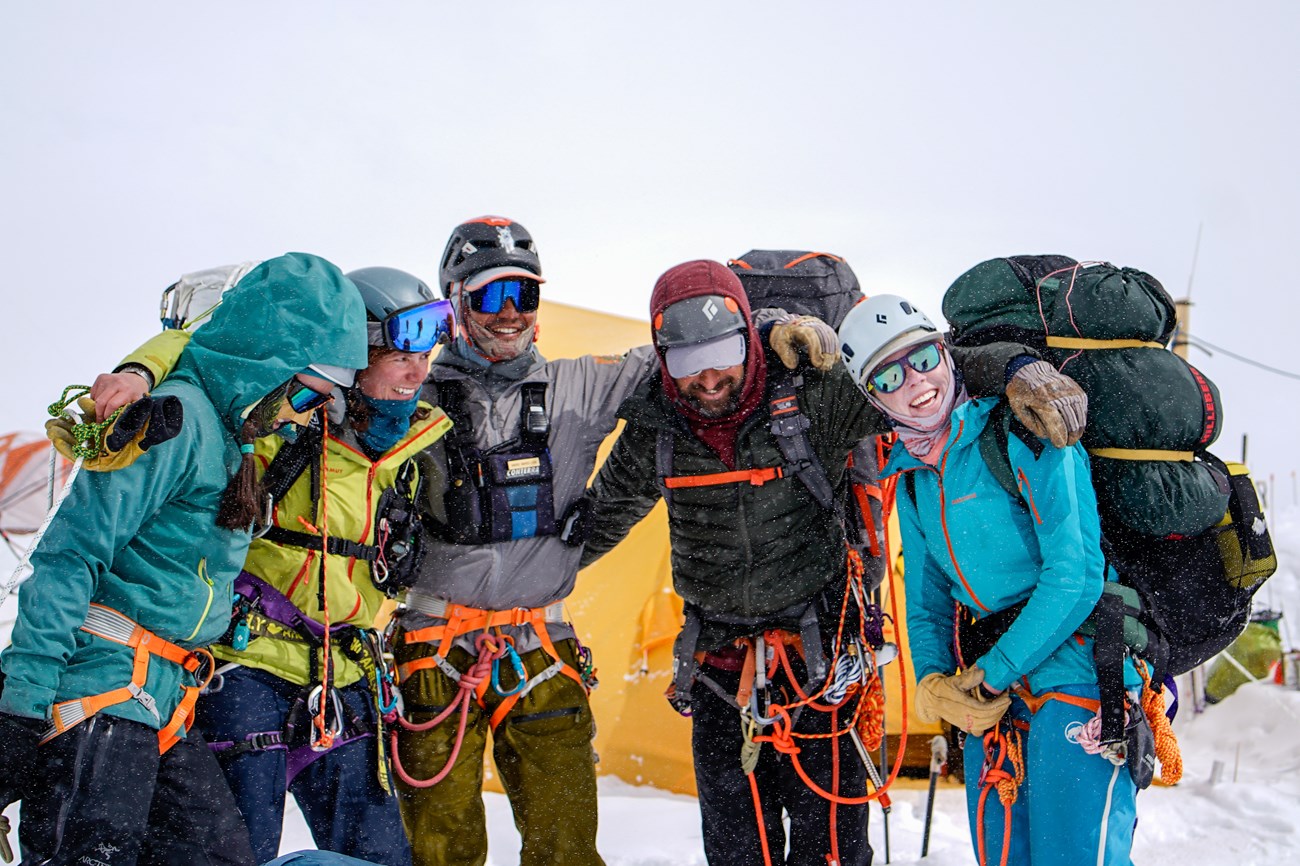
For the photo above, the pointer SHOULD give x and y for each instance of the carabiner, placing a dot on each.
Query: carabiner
(324, 740)
(520, 673)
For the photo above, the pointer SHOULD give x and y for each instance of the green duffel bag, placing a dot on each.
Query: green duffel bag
(1149, 412)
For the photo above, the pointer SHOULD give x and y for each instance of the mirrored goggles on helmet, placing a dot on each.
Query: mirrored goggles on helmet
(415, 329)
(890, 377)
(525, 293)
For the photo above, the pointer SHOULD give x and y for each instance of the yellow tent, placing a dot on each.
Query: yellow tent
(626, 611)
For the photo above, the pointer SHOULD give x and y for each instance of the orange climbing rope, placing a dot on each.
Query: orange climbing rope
(1004, 770)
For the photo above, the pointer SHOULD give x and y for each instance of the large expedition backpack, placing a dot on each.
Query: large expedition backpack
(190, 300)
(1184, 530)
(823, 285)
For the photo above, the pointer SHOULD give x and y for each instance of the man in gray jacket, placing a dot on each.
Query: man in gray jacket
(524, 444)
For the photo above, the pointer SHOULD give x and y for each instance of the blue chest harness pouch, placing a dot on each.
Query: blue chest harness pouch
(501, 493)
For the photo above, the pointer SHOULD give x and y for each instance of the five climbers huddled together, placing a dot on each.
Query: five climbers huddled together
(319, 533)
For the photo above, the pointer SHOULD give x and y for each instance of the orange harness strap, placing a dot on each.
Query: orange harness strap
(106, 623)
(1035, 702)
(462, 620)
(756, 477)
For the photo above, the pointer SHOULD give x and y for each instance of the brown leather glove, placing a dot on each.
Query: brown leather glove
(1050, 404)
(958, 700)
(815, 336)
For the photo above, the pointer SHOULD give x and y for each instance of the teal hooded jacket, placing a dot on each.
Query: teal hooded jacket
(143, 540)
(965, 539)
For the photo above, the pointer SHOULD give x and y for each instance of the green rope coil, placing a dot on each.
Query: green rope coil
(88, 435)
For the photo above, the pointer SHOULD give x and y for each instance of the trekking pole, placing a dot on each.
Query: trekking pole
(873, 773)
(884, 806)
(938, 767)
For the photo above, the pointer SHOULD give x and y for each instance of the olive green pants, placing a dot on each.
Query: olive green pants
(542, 751)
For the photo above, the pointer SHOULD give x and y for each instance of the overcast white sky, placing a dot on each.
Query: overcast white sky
(145, 139)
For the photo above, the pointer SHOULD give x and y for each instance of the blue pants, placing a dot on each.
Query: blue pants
(1072, 808)
(339, 793)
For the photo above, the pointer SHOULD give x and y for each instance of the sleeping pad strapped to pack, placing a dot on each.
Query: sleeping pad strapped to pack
(1181, 527)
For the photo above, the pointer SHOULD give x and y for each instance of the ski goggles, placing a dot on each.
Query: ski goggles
(890, 377)
(415, 329)
(526, 295)
(301, 397)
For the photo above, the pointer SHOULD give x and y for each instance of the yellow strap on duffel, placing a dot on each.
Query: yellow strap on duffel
(1084, 343)
(1142, 454)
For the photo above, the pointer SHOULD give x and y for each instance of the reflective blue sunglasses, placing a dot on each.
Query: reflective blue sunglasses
(419, 329)
(890, 377)
(525, 293)
(302, 397)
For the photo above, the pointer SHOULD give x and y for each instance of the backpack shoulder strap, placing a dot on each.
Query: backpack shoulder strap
(790, 427)
(994, 440)
(291, 461)
(664, 463)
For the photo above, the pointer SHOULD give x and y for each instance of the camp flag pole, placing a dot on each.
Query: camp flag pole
(1183, 306)
(938, 766)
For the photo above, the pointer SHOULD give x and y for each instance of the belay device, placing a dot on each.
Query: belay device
(505, 492)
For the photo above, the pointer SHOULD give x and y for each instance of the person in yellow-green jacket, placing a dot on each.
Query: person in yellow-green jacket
(279, 716)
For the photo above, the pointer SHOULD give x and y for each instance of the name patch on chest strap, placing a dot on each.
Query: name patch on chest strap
(523, 467)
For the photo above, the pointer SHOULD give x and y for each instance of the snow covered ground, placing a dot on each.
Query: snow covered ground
(1246, 812)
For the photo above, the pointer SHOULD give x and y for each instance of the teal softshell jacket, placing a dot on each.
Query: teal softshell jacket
(143, 540)
(965, 539)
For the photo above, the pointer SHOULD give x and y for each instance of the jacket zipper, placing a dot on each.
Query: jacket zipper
(943, 520)
(203, 574)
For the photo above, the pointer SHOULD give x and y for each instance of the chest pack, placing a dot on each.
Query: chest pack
(399, 547)
(789, 426)
(504, 492)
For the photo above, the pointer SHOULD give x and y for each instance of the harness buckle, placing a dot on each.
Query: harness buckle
(146, 700)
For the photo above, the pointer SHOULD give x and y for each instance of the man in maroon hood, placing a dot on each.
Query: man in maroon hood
(709, 350)
(749, 458)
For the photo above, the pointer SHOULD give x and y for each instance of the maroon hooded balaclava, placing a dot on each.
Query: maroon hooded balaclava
(693, 279)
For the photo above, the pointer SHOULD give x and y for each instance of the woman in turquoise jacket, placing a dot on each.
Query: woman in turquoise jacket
(997, 587)
(134, 576)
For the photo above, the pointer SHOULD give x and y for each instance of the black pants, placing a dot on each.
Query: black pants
(108, 797)
(726, 803)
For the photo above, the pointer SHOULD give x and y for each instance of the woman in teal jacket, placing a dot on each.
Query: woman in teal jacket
(997, 587)
(135, 574)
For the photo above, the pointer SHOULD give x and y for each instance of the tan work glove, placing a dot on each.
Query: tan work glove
(142, 425)
(958, 700)
(1050, 404)
(815, 336)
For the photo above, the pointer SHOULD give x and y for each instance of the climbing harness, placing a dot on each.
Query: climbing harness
(485, 672)
(468, 684)
(108, 624)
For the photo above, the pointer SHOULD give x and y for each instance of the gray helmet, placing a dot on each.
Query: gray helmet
(487, 242)
(696, 320)
(402, 312)
(387, 290)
